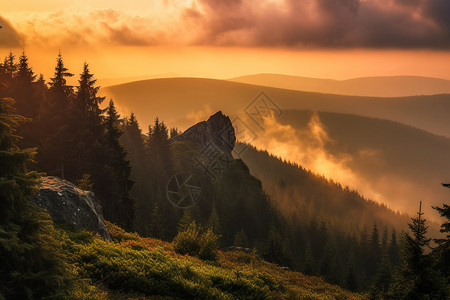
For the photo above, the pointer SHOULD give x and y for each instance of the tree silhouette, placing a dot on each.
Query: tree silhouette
(416, 278)
(53, 155)
(442, 251)
(29, 267)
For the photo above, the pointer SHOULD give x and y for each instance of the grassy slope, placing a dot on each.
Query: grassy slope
(381, 86)
(183, 101)
(134, 267)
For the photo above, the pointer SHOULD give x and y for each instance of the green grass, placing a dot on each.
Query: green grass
(132, 267)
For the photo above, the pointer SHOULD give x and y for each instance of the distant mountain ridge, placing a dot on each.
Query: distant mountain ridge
(182, 101)
(377, 86)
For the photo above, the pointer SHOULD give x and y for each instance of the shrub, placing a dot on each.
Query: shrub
(208, 245)
(197, 242)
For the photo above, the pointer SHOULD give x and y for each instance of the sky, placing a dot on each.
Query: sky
(337, 39)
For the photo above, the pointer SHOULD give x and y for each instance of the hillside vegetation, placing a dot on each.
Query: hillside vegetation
(132, 266)
(183, 101)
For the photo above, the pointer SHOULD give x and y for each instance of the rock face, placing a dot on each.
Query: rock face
(218, 130)
(67, 204)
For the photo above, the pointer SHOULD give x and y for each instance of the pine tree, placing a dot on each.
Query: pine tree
(384, 240)
(85, 183)
(185, 221)
(9, 66)
(329, 266)
(156, 228)
(143, 188)
(54, 153)
(214, 221)
(276, 249)
(114, 185)
(308, 265)
(174, 132)
(442, 251)
(85, 122)
(30, 268)
(374, 251)
(241, 239)
(159, 150)
(350, 277)
(87, 94)
(394, 250)
(24, 88)
(382, 279)
(416, 278)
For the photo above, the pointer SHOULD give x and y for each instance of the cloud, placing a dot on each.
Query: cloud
(100, 27)
(246, 23)
(9, 38)
(324, 23)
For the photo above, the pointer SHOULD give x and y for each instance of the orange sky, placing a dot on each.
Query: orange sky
(223, 39)
(218, 62)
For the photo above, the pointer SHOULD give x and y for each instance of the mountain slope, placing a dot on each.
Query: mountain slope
(384, 160)
(382, 86)
(132, 267)
(300, 195)
(183, 101)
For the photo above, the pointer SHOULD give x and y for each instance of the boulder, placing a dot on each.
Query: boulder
(67, 204)
(239, 249)
(217, 130)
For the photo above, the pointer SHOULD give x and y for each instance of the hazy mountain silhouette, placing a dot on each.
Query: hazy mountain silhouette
(302, 195)
(380, 86)
(182, 101)
(386, 161)
(121, 80)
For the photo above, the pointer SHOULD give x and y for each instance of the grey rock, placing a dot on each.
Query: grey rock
(217, 131)
(67, 204)
(238, 249)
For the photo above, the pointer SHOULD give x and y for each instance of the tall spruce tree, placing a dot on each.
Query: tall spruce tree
(30, 268)
(416, 278)
(9, 66)
(133, 141)
(308, 265)
(23, 88)
(442, 251)
(350, 279)
(54, 152)
(214, 221)
(28, 102)
(383, 278)
(374, 251)
(394, 250)
(86, 124)
(114, 185)
(156, 227)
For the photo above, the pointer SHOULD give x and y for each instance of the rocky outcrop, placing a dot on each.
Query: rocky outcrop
(67, 204)
(217, 130)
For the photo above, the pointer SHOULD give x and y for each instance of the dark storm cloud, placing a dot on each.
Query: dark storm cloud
(323, 23)
(248, 23)
(8, 35)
